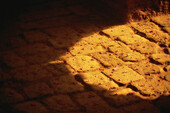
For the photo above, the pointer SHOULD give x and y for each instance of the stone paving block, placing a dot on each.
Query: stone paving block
(152, 86)
(131, 39)
(93, 103)
(168, 68)
(98, 81)
(66, 84)
(37, 90)
(167, 76)
(63, 42)
(140, 44)
(142, 107)
(123, 74)
(161, 58)
(168, 50)
(167, 29)
(125, 53)
(31, 107)
(85, 28)
(38, 53)
(152, 32)
(61, 103)
(83, 63)
(30, 73)
(10, 96)
(35, 36)
(96, 39)
(146, 47)
(38, 59)
(65, 56)
(121, 97)
(62, 32)
(120, 30)
(85, 49)
(145, 68)
(63, 36)
(59, 68)
(12, 60)
(107, 59)
(34, 49)
(163, 20)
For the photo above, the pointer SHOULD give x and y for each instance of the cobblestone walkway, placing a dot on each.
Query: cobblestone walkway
(68, 60)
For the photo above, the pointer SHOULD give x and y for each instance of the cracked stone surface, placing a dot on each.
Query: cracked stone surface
(65, 57)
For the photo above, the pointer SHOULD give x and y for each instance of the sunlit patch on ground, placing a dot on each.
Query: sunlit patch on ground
(72, 60)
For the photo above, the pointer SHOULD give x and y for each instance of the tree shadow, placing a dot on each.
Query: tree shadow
(34, 57)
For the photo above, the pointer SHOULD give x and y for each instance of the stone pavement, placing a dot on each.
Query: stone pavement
(70, 60)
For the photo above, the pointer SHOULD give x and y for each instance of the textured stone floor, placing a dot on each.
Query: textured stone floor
(67, 58)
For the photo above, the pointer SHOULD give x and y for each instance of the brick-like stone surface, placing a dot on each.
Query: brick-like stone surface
(123, 74)
(113, 32)
(163, 20)
(152, 85)
(140, 44)
(83, 63)
(37, 90)
(108, 59)
(10, 96)
(94, 103)
(61, 103)
(125, 53)
(167, 29)
(161, 58)
(63, 37)
(145, 107)
(85, 28)
(38, 53)
(35, 36)
(122, 97)
(146, 47)
(12, 60)
(98, 81)
(66, 84)
(145, 68)
(85, 49)
(62, 32)
(131, 39)
(152, 32)
(95, 39)
(31, 107)
(59, 68)
(30, 73)
(72, 56)
(167, 76)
